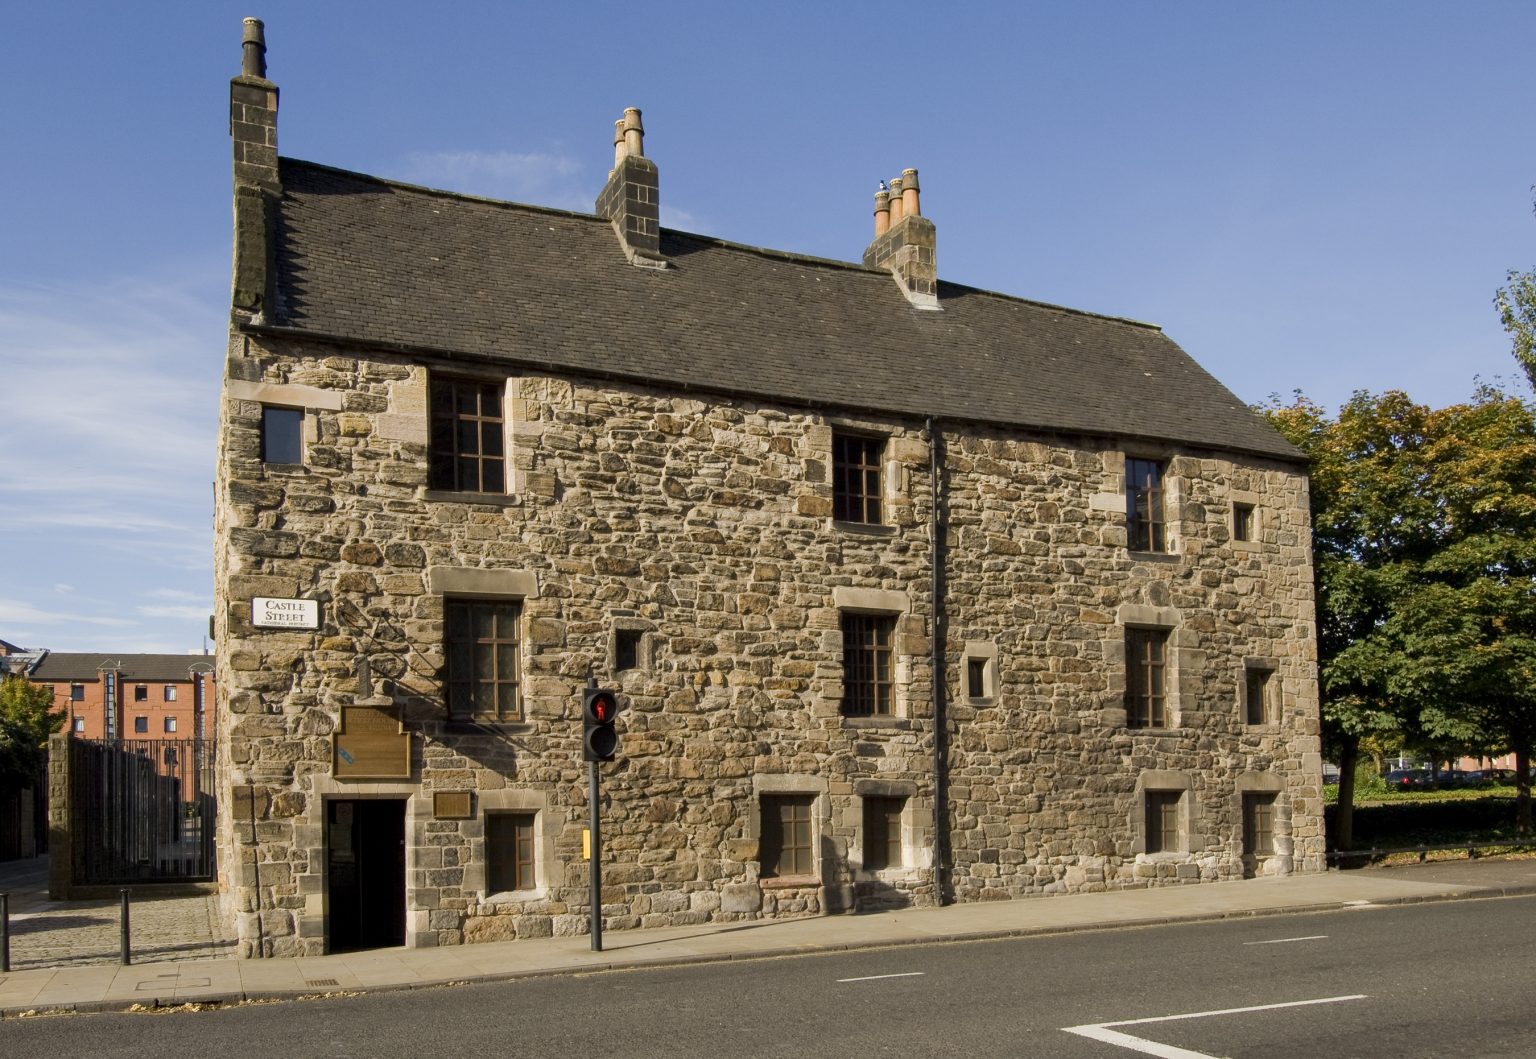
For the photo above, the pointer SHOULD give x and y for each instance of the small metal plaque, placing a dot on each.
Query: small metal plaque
(270, 613)
(370, 744)
(450, 805)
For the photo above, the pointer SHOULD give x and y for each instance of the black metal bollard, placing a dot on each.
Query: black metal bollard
(125, 953)
(5, 932)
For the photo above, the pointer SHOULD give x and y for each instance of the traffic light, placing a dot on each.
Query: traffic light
(599, 739)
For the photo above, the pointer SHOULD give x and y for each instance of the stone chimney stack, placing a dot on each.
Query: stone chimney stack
(253, 128)
(905, 241)
(631, 199)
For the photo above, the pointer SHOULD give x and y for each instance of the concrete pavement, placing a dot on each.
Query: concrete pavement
(226, 980)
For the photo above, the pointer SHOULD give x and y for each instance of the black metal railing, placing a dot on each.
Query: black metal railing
(142, 810)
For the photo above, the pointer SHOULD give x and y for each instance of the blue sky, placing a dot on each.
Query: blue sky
(1314, 196)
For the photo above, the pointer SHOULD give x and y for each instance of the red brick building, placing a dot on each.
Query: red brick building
(127, 696)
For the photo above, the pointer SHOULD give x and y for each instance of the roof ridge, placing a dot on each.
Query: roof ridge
(718, 241)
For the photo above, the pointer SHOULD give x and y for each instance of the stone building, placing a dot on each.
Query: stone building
(911, 592)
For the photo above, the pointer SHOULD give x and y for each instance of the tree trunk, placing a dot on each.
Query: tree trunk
(1523, 789)
(1344, 812)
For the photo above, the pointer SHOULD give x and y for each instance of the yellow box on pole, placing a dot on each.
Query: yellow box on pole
(586, 843)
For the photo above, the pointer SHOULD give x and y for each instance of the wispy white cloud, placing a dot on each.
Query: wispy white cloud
(18, 612)
(191, 613)
(111, 410)
(174, 593)
(537, 178)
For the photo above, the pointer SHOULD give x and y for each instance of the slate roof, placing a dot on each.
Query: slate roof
(61, 667)
(401, 267)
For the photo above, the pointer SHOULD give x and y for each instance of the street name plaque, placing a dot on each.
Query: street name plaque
(271, 613)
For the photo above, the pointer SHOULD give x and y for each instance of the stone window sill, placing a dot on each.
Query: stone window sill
(1154, 557)
(515, 897)
(870, 529)
(463, 727)
(449, 496)
(892, 723)
(285, 469)
(789, 882)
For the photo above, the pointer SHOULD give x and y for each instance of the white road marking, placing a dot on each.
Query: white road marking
(878, 977)
(1101, 1031)
(1287, 941)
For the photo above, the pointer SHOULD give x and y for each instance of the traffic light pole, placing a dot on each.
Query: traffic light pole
(596, 864)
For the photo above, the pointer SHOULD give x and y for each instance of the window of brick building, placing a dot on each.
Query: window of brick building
(79, 724)
(509, 860)
(1146, 528)
(1242, 522)
(170, 693)
(1259, 695)
(140, 693)
(141, 725)
(282, 435)
(77, 693)
(785, 847)
(1146, 678)
(1163, 821)
(868, 685)
(882, 832)
(482, 641)
(856, 477)
(170, 725)
(1258, 824)
(467, 441)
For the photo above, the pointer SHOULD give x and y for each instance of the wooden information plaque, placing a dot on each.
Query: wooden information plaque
(371, 744)
(450, 805)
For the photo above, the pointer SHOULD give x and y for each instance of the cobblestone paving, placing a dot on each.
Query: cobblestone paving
(48, 933)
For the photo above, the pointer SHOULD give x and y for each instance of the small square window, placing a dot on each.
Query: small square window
(1259, 695)
(868, 686)
(1146, 528)
(1258, 824)
(882, 832)
(976, 677)
(140, 693)
(626, 649)
(79, 724)
(282, 435)
(856, 472)
(1146, 678)
(77, 693)
(1242, 522)
(785, 847)
(170, 693)
(141, 725)
(170, 725)
(509, 859)
(1163, 821)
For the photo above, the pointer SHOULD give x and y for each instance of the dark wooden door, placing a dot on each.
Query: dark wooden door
(365, 873)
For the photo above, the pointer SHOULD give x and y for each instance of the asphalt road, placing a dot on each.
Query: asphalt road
(1449, 979)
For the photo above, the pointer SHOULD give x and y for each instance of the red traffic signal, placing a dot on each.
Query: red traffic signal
(599, 739)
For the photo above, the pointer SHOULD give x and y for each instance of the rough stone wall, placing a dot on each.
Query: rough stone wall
(705, 526)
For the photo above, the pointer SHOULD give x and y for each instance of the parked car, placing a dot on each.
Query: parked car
(1403, 779)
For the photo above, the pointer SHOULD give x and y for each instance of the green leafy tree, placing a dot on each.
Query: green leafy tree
(1372, 529)
(1424, 538)
(1516, 303)
(1468, 630)
(26, 721)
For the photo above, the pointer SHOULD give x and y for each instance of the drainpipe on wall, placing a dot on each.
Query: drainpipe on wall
(936, 530)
